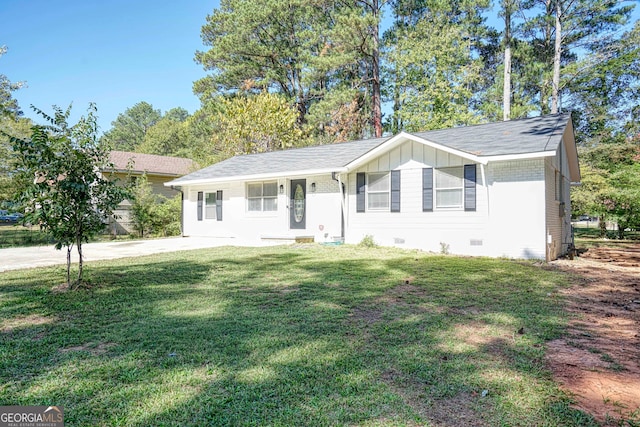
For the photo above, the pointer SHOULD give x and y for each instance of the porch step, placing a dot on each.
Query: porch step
(292, 239)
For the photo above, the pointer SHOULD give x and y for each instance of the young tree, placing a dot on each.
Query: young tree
(65, 192)
(142, 205)
(154, 213)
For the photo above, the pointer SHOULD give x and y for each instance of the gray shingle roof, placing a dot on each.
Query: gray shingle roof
(151, 163)
(299, 159)
(521, 136)
(530, 135)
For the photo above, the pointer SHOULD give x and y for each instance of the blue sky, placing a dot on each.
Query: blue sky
(115, 53)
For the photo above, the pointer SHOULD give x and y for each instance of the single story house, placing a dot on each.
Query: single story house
(129, 166)
(497, 189)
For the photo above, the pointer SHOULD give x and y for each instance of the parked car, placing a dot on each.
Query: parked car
(10, 217)
(585, 218)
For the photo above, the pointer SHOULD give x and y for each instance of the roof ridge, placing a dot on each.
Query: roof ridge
(519, 119)
(147, 154)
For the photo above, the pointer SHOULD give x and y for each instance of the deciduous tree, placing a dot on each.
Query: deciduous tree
(66, 194)
(8, 104)
(255, 124)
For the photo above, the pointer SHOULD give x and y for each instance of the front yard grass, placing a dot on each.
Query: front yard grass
(287, 336)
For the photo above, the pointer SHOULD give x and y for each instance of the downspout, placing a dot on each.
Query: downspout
(336, 177)
(486, 185)
(179, 188)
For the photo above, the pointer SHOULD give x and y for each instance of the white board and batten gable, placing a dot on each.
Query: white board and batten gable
(498, 189)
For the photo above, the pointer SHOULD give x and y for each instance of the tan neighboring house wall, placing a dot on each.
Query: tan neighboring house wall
(158, 169)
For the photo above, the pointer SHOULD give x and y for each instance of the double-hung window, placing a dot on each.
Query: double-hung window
(262, 196)
(210, 206)
(378, 191)
(449, 185)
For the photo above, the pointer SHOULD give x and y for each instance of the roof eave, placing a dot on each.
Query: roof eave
(143, 172)
(569, 139)
(520, 156)
(255, 177)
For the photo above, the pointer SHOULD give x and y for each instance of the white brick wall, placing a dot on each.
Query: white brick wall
(517, 201)
(322, 213)
(510, 220)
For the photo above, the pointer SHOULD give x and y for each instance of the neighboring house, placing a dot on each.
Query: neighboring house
(499, 189)
(129, 166)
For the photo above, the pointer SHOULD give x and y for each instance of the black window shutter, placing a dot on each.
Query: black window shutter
(219, 205)
(470, 188)
(395, 191)
(200, 199)
(360, 191)
(427, 190)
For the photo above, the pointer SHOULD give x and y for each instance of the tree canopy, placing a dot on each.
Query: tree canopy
(129, 128)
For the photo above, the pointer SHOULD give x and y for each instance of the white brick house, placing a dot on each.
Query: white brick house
(499, 189)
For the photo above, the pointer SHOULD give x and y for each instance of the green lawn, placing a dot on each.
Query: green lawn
(289, 336)
(12, 235)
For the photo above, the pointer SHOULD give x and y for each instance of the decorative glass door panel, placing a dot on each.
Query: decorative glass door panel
(298, 204)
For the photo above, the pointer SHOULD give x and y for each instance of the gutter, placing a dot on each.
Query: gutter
(336, 177)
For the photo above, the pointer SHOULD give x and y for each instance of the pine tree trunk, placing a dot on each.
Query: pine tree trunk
(544, 84)
(377, 99)
(557, 54)
(506, 88)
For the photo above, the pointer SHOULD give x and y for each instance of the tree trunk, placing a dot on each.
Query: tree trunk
(557, 54)
(506, 88)
(69, 249)
(544, 84)
(377, 99)
(79, 243)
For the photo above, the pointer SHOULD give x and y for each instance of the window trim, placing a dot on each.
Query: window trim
(261, 197)
(437, 189)
(387, 175)
(208, 207)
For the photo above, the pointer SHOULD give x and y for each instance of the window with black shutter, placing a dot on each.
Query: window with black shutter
(360, 191)
(470, 188)
(395, 191)
(427, 190)
(219, 205)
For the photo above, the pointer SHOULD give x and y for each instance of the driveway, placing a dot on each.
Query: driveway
(42, 256)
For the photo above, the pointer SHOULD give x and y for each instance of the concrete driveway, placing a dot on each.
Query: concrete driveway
(42, 256)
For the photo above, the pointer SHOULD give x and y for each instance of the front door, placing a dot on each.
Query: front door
(298, 205)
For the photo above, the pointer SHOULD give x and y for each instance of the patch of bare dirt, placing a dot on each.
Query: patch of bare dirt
(453, 411)
(9, 325)
(96, 349)
(404, 296)
(598, 362)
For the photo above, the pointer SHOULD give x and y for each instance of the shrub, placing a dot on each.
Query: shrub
(368, 242)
